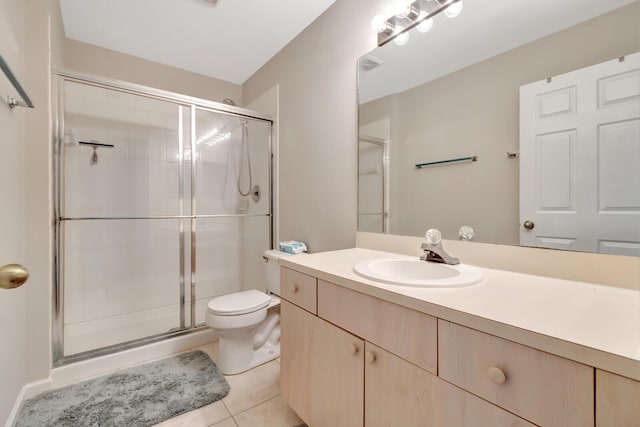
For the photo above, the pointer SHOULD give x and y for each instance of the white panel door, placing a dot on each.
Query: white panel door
(580, 159)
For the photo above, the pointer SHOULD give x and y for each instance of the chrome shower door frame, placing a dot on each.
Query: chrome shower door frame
(183, 102)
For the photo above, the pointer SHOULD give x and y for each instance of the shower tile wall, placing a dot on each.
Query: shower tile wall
(122, 276)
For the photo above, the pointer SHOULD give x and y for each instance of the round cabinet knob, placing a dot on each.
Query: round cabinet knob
(12, 276)
(497, 375)
(370, 357)
(296, 287)
(354, 349)
(529, 225)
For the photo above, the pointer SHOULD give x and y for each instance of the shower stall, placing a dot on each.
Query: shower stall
(162, 202)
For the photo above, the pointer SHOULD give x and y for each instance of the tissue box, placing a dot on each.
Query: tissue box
(293, 247)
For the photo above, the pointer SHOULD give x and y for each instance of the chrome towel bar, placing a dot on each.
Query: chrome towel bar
(442, 162)
(12, 102)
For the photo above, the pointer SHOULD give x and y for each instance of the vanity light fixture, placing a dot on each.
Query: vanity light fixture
(419, 14)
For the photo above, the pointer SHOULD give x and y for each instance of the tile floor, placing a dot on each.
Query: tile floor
(254, 401)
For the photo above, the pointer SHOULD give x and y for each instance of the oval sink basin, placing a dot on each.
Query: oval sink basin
(415, 272)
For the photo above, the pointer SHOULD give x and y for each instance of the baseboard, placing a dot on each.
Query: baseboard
(28, 390)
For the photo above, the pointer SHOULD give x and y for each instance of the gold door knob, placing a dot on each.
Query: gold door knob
(12, 276)
(528, 224)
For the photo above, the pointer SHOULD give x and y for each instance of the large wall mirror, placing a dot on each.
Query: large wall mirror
(525, 117)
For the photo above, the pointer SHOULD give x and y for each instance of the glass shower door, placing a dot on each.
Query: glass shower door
(232, 205)
(122, 207)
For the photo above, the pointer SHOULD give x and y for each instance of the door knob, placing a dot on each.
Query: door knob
(354, 349)
(12, 276)
(370, 357)
(528, 224)
(497, 375)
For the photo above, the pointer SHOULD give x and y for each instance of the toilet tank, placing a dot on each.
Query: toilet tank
(272, 267)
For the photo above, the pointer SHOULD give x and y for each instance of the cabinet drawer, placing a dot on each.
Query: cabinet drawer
(299, 289)
(545, 389)
(406, 333)
(617, 400)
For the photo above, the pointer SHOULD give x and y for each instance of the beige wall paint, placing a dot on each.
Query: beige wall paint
(318, 123)
(89, 59)
(13, 303)
(43, 46)
(485, 101)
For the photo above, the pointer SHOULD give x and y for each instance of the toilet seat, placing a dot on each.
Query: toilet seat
(239, 303)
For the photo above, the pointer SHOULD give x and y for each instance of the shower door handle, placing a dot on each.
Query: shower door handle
(13, 276)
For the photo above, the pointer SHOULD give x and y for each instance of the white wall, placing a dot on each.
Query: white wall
(318, 123)
(13, 357)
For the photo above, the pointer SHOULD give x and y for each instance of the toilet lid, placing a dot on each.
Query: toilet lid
(239, 303)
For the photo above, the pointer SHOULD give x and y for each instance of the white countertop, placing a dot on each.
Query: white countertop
(592, 324)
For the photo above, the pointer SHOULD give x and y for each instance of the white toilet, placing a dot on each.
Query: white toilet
(248, 322)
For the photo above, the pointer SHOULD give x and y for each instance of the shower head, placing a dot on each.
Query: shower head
(229, 101)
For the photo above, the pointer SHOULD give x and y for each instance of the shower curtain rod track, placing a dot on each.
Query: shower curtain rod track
(120, 218)
(159, 94)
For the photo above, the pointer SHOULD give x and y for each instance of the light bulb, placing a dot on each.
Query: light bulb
(454, 9)
(377, 23)
(380, 25)
(425, 26)
(400, 9)
(401, 39)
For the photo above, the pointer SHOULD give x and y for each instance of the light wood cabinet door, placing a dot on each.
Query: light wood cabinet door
(296, 361)
(540, 387)
(322, 370)
(617, 400)
(398, 393)
(337, 377)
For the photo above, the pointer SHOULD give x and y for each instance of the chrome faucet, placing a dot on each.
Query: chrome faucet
(433, 250)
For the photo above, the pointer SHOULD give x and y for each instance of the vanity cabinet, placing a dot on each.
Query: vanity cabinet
(617, 400)
(358, 360)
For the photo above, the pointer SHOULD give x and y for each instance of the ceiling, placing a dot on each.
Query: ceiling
(230, 41)
(484, 29)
